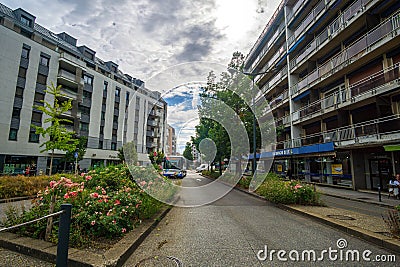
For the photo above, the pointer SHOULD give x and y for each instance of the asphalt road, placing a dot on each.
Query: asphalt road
(234, 229)
(360, 207)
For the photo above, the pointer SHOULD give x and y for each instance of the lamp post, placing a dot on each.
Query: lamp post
(253, 75)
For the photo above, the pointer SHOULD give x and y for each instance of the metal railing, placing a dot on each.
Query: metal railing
(381, 34)
(63, 232)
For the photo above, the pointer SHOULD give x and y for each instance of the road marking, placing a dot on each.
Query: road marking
(198, 179)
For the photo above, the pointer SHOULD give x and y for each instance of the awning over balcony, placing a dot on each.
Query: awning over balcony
(300, 96)
(324, 149)
(389, 148)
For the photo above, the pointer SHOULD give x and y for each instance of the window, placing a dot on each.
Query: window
(104, 101)
(117, 91)
(105, 86)
(116, 105)
(41, 79)
(113, 69)
(103, 116)
(100, 144)
(26, 21)
(33, 137)
(16, 113)
(115, 119)
(36, 116)
(19, 92)
(127, 98)
(13, 135)
(22, 72)
(113, 146)
(44, 60)
(39, 97)
(25, 52)
(88, 79)
(84, 127)
(85, 110)
(87, 95)
(101, 129)
(88, 55)
(114, 132)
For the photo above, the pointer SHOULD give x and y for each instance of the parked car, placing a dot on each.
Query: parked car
(202, 167)
(174, 173)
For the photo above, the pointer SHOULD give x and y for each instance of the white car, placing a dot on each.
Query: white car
(202, 167)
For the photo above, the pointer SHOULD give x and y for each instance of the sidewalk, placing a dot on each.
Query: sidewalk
(365, 196)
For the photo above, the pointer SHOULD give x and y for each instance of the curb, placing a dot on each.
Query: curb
(115, 256)
(380, 240)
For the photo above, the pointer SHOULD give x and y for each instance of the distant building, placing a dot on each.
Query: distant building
(109, 107)
(332, 83)
(171, 141)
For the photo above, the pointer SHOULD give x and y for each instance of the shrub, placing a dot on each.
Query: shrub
(106, 203)
(287, 192)
(393, 221)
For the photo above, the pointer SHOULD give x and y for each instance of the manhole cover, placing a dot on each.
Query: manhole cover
(340, 217)
(156, 261)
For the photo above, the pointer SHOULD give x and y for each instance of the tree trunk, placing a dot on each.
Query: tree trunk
(220, 167)
(49, 226)
(51, 162)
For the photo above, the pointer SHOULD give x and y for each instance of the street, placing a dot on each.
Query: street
(237, 227)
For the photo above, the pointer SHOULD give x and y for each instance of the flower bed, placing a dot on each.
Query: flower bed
(106, 202)
(279, 191)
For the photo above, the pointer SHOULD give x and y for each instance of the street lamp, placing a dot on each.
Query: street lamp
(253, 75)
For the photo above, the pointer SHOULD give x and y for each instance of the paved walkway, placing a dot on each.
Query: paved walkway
(371, 197)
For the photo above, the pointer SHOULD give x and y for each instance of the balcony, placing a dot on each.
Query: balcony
(344, 20)
(378, 37)
(313, 16)
(279, 99)
(72, 60)
(279, 77)
(376, 84)
(376, 131)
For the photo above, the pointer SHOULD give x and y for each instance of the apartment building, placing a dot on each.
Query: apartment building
(332, 82)
(171, 141)
(108, 106)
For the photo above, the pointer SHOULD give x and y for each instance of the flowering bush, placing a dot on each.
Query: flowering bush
(287, 192)
(106, 203)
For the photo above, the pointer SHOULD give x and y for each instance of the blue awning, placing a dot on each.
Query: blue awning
(300, 96)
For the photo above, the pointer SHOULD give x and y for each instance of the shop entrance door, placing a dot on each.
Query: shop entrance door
(380, 173)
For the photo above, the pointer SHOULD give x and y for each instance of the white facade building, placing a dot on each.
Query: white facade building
(109, 107)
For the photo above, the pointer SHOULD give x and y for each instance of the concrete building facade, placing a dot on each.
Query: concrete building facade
(332, 82)
(171, 141)
(108, 106)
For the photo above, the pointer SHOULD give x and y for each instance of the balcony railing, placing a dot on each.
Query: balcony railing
(279, 99)
(341, 22)
(375, 38)
(312, 16)
(282, 74)
(373, 85)
(373, 131)
(66, 74)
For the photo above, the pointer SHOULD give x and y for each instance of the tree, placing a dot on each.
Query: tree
(58, 135)
(128, 154)
(187, 153)
(80, 148)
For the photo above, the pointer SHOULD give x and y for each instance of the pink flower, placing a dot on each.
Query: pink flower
(103, 191)
(53, 183)
(94, 195)
(93, 223)
(114, 221)
(88, 178)
(137, 205)
(66, 196)
(154, 153)
(82, 174)
(142, 183)
(123, 230)
(297, 186)
(73, 194)
(117, 202)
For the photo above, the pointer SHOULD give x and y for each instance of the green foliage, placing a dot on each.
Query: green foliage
(81, 146)
(128, 153)
(287, 192)
(107, 203)
(187, 153)
(58, 135)
(156, 157)
(393, 221)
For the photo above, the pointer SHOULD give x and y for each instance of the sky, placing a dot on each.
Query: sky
(146, 37)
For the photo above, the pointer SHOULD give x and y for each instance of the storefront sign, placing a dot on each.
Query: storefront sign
(337, 169)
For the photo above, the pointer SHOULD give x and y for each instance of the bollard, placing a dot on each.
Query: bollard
(379, 193)
(63, 236)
